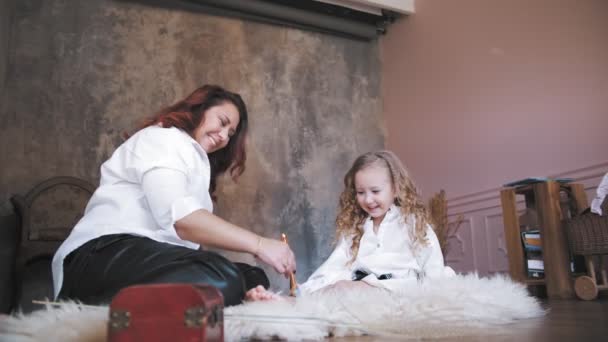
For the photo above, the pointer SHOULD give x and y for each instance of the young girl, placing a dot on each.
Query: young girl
(384, 239)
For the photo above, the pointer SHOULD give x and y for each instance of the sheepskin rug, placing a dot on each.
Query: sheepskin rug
(464, 305)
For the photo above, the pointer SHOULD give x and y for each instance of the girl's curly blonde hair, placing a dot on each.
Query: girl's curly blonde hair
(350, 219)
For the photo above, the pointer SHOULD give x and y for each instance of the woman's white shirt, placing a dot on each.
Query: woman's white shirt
(152, 180)
(390, 250)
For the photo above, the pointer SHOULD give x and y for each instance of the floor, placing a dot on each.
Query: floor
(567, 320)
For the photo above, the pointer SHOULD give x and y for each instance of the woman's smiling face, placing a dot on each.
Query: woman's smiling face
(217, 127)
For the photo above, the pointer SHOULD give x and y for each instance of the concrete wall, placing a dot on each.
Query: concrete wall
(84, 71)
(8, 229)
(6, 11)
(478, 93)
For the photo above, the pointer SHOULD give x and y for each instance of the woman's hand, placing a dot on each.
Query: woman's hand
(276, 254)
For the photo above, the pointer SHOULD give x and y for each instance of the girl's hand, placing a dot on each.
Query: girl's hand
(276, 254)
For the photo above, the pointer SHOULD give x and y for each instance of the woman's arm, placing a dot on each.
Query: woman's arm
(173, 207)
(205, 228)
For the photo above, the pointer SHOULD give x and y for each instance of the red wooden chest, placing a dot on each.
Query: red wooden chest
(167, 312)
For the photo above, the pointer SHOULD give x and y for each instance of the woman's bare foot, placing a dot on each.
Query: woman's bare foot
(259, 293)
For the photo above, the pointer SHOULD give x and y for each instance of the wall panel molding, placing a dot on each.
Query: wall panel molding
(495, 242)
(589, 176)
(479, 243)
(461, 249)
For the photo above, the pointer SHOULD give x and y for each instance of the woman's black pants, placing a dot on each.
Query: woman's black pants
(97, 270)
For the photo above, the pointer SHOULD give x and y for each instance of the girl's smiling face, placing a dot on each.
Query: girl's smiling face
(375, 191)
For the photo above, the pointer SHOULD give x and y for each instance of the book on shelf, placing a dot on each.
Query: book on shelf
(531, 240)
(532, 244)
(535, 264)
(533, 252)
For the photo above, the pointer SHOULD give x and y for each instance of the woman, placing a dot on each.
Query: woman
(153, 208)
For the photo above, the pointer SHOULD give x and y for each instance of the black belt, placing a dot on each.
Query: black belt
(358, 275)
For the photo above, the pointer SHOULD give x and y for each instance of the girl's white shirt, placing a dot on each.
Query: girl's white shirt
(152, 180)
(602, 191)
(390, 250)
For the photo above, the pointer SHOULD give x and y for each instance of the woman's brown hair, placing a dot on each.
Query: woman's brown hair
(187, 115)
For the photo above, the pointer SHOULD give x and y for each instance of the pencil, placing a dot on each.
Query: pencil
(293, 285)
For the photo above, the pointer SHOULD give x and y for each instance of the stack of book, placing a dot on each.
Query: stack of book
(534, 253)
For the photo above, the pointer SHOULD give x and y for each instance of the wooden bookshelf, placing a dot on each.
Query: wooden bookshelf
(544, 198)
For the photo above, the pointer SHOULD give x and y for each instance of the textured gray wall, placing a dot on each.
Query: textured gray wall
(6, 10)
(8, 221)
(84, 71)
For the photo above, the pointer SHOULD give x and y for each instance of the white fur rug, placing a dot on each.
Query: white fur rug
(464, 305)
